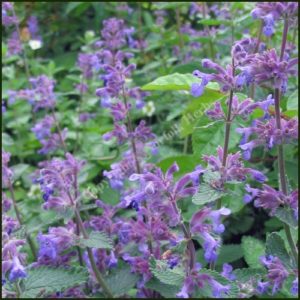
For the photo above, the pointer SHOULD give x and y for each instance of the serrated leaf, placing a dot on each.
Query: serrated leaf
(287, 216)
(174, 82)
(229, 253)
(253, 249)
(206, 291)
(162, 272)
(47, 280)
(166, 290)
(121, 281)
(275, 246)
(206, 194)
(246, 274)
(98, 240)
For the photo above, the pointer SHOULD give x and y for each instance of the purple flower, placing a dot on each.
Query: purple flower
(187, 288)
(218, 290)
(277, 273)
(227, 272)
(267, 134)
(6, 172)
(267, 66)
(7, 18)
(17, 271)
(294, 288)
(14, 44)
(262, 287)
(270, 12)
(42, 129)
(199, 225)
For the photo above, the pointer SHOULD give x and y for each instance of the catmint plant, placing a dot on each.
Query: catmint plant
(216, 220)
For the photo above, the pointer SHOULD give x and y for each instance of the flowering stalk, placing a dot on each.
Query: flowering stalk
(58, 130)
(98, 275)
(130, 129)
(18, 215)
(252, 86)
(281, 166)
(227, 131)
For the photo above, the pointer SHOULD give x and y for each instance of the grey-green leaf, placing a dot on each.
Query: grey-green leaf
(206, 194)
(275, 246)
(121, 281)
(98, 240)
(253, 249)
(247, 274)
(47, 280)
(162, 272)
(287, 216)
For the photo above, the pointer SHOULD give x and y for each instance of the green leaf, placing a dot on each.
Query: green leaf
(121, 281)
(174, 82)
(186, 163)
(246, 274)
(98, 240)
(18, 170)
(275, 246)
(214, 22)
(206, 194)
(166, 290)
(162, 272)
(292, 101)
(47, 280)
(206, 291)
(229, 253)
(287, 216)
(196, 109)
(208, 135)
(234, 197)
(7, 140)
(253, 249)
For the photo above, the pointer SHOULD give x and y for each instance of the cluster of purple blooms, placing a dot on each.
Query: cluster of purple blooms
(12, 259)
(269, 12)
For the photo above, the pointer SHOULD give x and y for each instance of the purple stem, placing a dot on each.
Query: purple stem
(281, 166)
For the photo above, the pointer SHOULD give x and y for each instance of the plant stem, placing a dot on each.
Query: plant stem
(281, 166)
(18, 290)
(79, 112)
(24, 56)
(98, 275)
(19, 218)
(130, 129)
(252, 86)
(187, 235)
(178, 25)
(59, 130)
(227, 138)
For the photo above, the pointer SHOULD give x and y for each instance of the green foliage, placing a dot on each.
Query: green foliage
(162, 272)
(207, 136)
(275, 246)
(98, 240)
(206, 291)
(253, 249)
(121, 281)
(229, 253)
(246, 274)
(206, 194)
(46, 280)
(174, 82)
(287, 216)
(166, 290)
